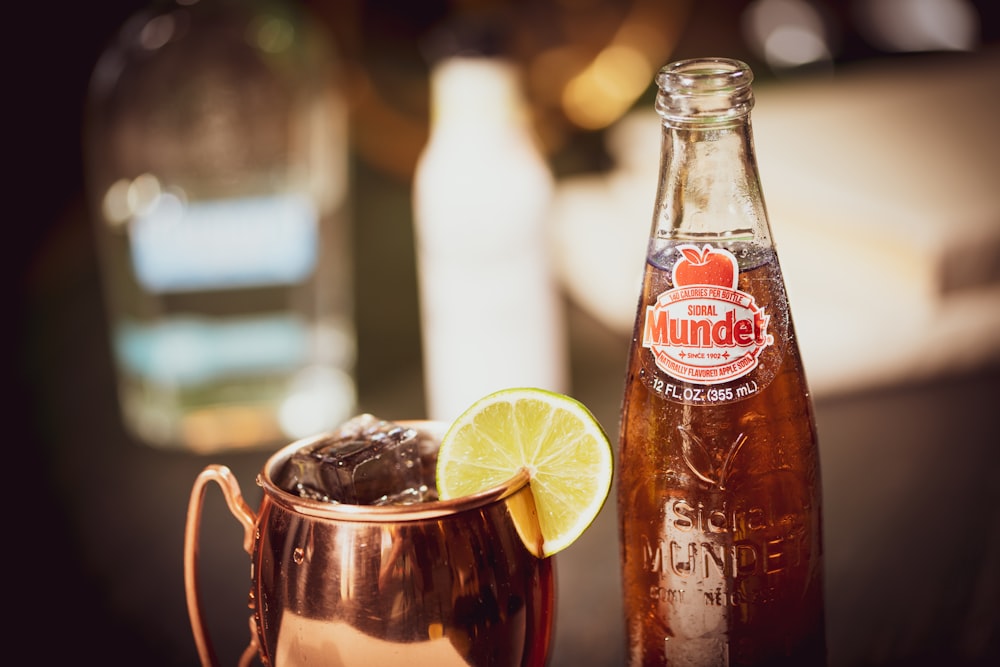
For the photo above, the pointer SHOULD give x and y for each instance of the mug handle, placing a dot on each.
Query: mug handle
(224, 477)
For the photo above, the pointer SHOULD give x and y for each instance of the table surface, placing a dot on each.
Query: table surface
(912, 508)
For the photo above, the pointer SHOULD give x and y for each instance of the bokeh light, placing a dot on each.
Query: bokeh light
(919, 25)
(787, 33)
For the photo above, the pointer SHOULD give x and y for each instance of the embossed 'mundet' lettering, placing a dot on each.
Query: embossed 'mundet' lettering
(704, 560)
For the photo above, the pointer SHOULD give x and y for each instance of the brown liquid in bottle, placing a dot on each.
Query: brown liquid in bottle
(719, 494)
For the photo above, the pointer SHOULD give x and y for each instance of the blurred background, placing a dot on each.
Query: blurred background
(879, 153)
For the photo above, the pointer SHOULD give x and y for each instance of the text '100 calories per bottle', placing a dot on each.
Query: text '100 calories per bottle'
(719, 483)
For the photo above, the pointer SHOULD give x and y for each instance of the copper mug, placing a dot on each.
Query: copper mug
(453, 582)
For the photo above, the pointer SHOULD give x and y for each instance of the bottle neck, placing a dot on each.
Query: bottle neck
(709, 186)
(469, 93)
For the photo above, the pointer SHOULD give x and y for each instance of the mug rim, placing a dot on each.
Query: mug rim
(382, 513)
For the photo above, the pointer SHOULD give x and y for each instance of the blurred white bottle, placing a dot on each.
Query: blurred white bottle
(216, 156)
(491, 312)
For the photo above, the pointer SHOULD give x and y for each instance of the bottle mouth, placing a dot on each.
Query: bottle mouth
(704, 91)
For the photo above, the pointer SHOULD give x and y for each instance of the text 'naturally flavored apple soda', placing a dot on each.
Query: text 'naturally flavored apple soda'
(719, 483)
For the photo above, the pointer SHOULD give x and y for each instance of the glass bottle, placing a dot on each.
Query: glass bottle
(216, 162)
(491, 314)
(718, 474)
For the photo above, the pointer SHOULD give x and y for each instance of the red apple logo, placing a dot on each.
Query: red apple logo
(705, 266)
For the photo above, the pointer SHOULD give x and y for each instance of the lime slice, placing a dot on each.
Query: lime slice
(554, 437)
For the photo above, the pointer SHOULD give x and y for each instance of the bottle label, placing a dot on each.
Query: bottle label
(703, 330)
(224, 244)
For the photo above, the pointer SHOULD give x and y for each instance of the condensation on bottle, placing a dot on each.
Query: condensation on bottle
(719, 488)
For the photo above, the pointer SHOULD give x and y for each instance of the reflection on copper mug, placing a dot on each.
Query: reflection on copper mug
(441, 583)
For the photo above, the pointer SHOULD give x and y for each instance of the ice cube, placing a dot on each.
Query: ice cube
(367, 461)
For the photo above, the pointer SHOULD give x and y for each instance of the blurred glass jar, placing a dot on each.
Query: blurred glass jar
(216, 157)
